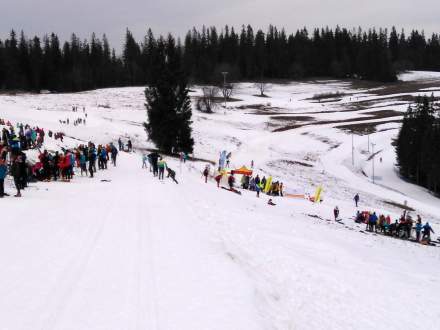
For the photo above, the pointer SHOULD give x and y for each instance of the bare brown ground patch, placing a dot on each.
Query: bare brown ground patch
(365, 128)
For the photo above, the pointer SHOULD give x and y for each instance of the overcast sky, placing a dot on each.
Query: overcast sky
(163, 16)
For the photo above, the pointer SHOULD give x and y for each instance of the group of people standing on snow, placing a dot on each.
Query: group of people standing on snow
(25, 137)
(121, 145)
(54, 166)
(401, 228)
(247, 182)
(13, 160)
(50, 166)
(157, 165)
(22, 136)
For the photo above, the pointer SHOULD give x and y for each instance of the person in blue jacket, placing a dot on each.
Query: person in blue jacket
(104, 158)
(419, 228)
(83, 163)
(427, 230)
(372, 221)
(3, 172)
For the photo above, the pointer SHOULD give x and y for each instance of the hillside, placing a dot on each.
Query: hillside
(126, 251)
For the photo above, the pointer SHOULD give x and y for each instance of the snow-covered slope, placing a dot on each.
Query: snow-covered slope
(135, 253)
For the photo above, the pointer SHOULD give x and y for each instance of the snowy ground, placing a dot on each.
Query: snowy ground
(134, 253)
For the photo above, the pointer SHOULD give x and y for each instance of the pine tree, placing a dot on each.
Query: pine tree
(168, 104)
(418, 144)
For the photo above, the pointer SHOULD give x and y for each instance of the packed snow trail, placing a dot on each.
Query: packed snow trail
(123, 254)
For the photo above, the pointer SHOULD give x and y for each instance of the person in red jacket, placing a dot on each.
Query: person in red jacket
(218, 178)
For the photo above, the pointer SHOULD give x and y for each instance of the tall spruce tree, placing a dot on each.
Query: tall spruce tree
(168, 104)
(418, 144)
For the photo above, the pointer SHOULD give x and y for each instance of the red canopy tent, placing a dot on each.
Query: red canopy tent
(242, 170)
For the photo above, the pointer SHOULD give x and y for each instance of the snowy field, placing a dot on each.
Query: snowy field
(131, 252)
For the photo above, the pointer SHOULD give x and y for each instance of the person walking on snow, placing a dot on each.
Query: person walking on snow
(113, 153)
(336, 213)
(356, 199)
(206, 173)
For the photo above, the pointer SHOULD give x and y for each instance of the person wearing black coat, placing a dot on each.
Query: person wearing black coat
(154, 157)
(172, 174)
(15, 172)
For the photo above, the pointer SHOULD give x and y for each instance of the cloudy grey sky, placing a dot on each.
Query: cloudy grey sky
(113, 17)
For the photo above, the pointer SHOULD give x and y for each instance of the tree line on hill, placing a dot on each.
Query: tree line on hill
(75, 65)
(418, 144)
